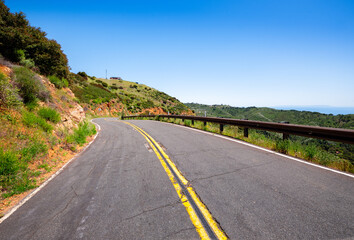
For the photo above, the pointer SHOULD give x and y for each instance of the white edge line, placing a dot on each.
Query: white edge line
(263, 149)
(29, 196)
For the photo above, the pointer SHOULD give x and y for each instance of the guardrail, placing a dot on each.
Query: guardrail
(332, 134)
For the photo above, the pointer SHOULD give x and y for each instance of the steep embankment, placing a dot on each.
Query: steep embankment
(42, 127)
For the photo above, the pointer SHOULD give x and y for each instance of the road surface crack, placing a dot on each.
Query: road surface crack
(150, 210)
(55, 215)
(231, 172)
(177, 232)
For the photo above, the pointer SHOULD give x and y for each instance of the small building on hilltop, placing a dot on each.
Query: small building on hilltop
(117, 78)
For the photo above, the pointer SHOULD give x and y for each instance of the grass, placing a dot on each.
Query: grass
(33, 149)
(15, 178)
(32, 120)
(89, 93)
(138, 97)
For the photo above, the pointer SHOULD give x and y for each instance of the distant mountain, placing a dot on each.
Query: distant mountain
(274, 115)
(320, 109)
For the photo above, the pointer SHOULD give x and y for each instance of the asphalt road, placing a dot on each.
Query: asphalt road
(118, 189)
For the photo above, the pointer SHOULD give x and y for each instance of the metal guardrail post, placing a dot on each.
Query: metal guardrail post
(221, 128)
(285, 135)
(245, 132)
(205, 123)
(193, 122)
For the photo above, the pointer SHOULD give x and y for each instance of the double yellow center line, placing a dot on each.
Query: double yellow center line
(200, 216)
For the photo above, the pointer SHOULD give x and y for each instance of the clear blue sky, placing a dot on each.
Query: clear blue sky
(236, 52)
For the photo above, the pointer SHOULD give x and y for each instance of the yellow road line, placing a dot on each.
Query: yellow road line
(192, 213)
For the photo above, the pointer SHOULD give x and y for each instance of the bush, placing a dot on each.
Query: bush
(310, 151)
(49, 114)
(8, 94)
(32, 120)
(28, 63)
(58, 83)
(282, 146)
(30, 87)
(8, 165)
(79, 136)
(83, 74)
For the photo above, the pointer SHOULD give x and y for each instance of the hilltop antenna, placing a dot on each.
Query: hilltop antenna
(106, 73)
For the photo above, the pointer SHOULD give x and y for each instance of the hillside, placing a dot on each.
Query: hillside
(274, 115)
(106, 97)
(42, 127)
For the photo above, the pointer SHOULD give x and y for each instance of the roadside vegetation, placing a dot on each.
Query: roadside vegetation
(312, 149)
(33, 139)
(300, 147)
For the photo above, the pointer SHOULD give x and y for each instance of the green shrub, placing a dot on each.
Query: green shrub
(82, 74)
(114, 87)
(310, 151)
(28, 63)
(35, 148)
(79, 136)
(8, 165)
(282, 146)
(32, 120)
(49, 114)
(104, 84)
(21, 184)
(8, 94)
(29, 85)
(58, 82)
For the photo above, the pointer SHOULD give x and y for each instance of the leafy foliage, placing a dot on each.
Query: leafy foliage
(32, 120)
(8, 94)
(49, 114)
(79, 136)
(35, 48)
(29, 85)
(8, 166)
(58, 82)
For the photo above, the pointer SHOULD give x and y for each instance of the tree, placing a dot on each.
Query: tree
(16, 34)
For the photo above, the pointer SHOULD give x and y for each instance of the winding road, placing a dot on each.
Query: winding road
(154, 180)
